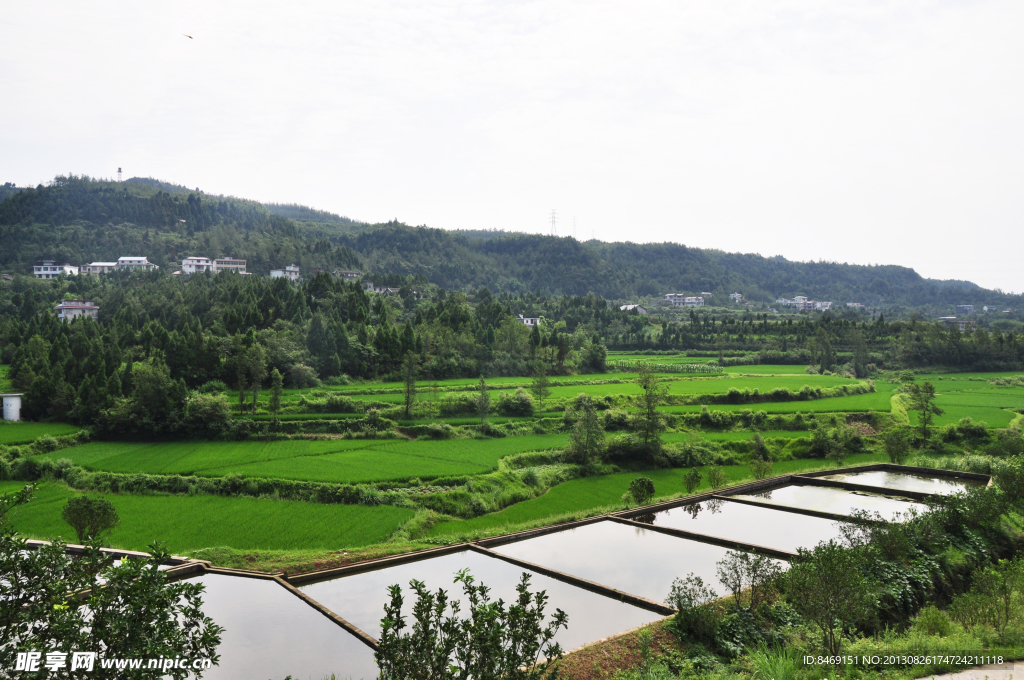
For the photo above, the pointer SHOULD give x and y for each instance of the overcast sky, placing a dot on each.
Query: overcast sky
(867, 132)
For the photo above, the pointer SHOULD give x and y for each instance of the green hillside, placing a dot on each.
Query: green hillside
(78, 219)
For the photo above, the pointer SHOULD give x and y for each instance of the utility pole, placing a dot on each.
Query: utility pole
(554, 222)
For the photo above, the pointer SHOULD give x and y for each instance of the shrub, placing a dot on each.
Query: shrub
(933, 621)
(212, 387)
(45, 444)
(696, 618)
(827, 587)
(1009, 476)
(750, 577)
(716, 477)
(691, 480)
(90, 517)
(301, 376)
(641, 490)
(896, 442)
(439, 431)
(492, 642)
(761, 469)
(615, 420)
(517, 403)
(208, 415)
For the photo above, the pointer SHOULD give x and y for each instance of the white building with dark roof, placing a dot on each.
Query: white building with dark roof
(69, 310)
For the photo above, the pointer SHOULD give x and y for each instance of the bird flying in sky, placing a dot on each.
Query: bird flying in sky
(188, 36)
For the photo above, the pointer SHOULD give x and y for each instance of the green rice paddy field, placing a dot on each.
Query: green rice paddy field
(718, 384)
(187, 523)
(337, 460)
(24, 432)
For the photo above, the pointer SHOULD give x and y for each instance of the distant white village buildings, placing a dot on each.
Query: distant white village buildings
(199, 265)
(49, 269)
(684, 300)
(736, 297)
(801, 302)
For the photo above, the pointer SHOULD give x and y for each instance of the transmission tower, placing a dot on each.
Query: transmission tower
(554, 222)
(119, 174)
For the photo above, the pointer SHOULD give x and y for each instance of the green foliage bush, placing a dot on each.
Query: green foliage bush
(513, 404)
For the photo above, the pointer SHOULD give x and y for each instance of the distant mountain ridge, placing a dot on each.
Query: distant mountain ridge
(79, 219)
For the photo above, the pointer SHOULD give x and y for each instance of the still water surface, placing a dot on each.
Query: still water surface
(634, 560)
(836, 501)
(749, 524)
(360, 598)
(271, 633)
(906, 482)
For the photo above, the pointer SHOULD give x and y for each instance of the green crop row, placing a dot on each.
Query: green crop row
(342, 461)
(23, 432)
(188, 523)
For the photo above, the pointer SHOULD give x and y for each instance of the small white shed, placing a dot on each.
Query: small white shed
(12, 406)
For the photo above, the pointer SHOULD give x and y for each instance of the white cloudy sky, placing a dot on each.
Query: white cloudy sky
(869, 131)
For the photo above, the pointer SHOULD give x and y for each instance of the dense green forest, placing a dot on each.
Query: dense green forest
(78, 219)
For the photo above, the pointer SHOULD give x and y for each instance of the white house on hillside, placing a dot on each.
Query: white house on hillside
(228, 264)
(135, 263)
(530, 321)
(68, 310)
(49, 269)
(291, 272)
(196, 265)
(98, 267)
(683, 300)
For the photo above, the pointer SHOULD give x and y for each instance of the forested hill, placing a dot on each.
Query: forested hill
(81, 220)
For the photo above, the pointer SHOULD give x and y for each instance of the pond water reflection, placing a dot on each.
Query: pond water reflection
(360, 598)
(271, 633)
(749, 524)
(836, 501)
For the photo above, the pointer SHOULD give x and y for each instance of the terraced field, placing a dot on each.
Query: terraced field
(338, 460)
(24, 432)
(187, 523)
